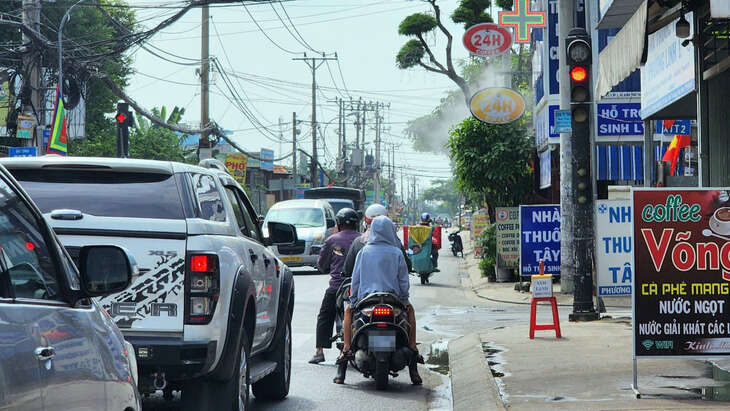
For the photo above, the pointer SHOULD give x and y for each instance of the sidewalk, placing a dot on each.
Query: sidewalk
(589, 368)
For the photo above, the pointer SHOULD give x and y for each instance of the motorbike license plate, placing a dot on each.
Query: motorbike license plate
(381, 341)
(290, 259)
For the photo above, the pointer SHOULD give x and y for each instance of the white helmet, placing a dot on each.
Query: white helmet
(375, 210)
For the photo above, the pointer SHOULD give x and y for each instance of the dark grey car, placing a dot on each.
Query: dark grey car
(58, 348)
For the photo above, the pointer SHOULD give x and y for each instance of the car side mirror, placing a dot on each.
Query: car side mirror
(281, 234)
(105, 270)
(331, 223)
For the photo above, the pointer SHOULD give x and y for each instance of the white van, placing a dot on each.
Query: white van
(314, 221)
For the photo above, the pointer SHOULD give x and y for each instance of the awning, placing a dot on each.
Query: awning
(615, 13)
(624, 53)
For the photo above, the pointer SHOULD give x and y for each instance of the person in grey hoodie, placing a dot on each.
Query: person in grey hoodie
(379, 267)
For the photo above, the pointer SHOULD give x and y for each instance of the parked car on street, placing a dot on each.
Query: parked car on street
(210, 313)
(59, 350)
(314, 221)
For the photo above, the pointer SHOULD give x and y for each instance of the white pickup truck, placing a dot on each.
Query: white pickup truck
(210, 313)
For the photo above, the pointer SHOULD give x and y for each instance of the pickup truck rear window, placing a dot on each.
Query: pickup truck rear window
(103, 193)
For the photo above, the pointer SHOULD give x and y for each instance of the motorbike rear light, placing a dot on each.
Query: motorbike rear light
(382, 311)
(202, 288)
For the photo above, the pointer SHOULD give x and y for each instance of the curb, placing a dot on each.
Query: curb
(472, 384)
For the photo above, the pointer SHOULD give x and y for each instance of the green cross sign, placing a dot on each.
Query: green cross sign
(522, 19)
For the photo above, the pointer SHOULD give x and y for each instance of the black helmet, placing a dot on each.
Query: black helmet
(347, 217)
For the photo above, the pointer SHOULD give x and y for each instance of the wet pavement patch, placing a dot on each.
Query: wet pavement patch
(491, 354)
(438, 359)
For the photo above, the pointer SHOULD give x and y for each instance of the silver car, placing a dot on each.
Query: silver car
(314, 221)
(58, 349)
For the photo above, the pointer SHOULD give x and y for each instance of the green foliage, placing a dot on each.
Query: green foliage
(417, 24)
(146, 140)
(471, 12)
(492, 160)
(488, 241)
(410, 54)
(444, 193)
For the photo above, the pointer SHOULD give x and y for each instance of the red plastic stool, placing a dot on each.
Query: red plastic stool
(533, 317)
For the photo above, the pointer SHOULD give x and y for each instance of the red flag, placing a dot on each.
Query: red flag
(672, 153)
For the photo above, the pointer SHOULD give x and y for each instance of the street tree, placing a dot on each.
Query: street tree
(492, 162)
(418, 53)
(444, 195)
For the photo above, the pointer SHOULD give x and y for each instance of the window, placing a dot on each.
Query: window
(237, 211)
(209, 200)
(103, 193)
(24, 254)
(299, 217)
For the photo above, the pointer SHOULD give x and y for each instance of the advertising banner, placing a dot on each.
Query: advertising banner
(620, 119)
(669, 72)
(539, 239)
(497, 105)
(673, 127)
(479, 222)
(267, 159)
(614, 247)
(508, 237)
(236, 166)
(545, 169)
(682, 276)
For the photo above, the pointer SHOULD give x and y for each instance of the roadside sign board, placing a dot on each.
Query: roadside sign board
(267, 159)
(682, 277)
(22, 151)
(546, 172)
(486, 39)
(497, 105)
(479, 222)
(539, 239)
(674, 127)
(619, 119)
(508, 237)
(542, 286)
(614, 247)
(236, 166)
(562, 121)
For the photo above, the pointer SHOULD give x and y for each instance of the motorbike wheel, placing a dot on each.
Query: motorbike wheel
(381, 375)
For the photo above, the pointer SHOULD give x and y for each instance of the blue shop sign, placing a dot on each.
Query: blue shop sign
(677, 127)
(22, 151)
(539, 239)
(621, 119)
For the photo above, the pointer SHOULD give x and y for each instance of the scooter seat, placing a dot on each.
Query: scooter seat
(380, 298)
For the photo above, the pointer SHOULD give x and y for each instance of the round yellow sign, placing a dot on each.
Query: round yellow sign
(497, 105)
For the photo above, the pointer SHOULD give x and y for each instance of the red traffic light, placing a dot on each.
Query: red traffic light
(121, 118)
(578, 73)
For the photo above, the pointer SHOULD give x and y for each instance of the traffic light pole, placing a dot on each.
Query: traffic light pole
(578, 52)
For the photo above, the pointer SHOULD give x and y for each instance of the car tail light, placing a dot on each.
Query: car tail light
(202, 288)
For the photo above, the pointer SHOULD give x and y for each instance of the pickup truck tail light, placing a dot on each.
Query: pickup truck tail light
(202, 288)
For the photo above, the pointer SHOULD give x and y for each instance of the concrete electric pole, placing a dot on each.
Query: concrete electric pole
(314, 63)
(566, 10)
(294, 132)
(204, 149)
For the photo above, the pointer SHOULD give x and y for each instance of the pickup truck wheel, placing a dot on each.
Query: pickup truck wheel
(207, 393)
(275, 386)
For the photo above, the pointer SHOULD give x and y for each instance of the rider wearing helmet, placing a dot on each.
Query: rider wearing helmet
(331, 261)
(372, 212)
(435, 240)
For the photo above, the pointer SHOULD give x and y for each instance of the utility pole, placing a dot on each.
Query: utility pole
(32, 62)
(314, 63)
(294, 132)
(566, 10)
(376, 175)
(204, 149)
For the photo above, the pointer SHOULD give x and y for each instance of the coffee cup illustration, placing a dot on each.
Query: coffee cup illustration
(720, 221)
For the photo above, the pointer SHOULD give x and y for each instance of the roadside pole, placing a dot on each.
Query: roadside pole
(294, 133)
(32, 62)
(566, 10)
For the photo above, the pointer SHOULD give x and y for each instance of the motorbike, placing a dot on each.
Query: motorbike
(457, 246)
(341, 299)
(380, 338)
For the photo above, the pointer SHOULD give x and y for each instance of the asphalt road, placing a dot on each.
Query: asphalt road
(444, 311)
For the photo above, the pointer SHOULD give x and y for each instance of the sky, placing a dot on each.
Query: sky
(363, 34)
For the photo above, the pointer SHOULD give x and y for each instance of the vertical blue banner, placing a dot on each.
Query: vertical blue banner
(539, 239)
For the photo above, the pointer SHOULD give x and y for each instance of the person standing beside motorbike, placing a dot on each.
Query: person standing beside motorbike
(332, 260)
(380, 267)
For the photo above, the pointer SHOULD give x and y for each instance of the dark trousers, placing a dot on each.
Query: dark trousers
(434, 257)
(326, 319)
